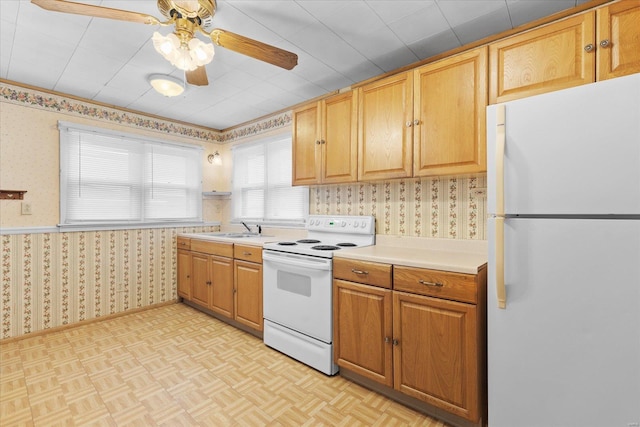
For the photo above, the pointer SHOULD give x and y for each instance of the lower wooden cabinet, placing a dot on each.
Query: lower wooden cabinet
(223, 278)
(412, 335)
(435, 355)
(184, 274)
(363, 330)
(222, 286)
(248, 294)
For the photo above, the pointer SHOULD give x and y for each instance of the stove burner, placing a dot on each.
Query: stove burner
(346, 245)
(325, 248)
(308, 241)
(287, 243)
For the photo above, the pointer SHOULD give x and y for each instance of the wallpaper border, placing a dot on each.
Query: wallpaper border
(43, 100)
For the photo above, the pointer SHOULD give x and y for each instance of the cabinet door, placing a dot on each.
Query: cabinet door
(450, 99)
(201, 284)
(222, 286)
(549, 58)
(340, 138)
(306, 145)
(184, 274)
(618, 37)
(248, 294)
(385, 125)
(436, 358)
(362, 330)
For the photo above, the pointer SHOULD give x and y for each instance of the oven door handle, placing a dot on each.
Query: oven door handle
(296, 261)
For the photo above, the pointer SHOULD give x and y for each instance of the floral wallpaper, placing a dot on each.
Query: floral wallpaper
(55, 279)
(440, 207)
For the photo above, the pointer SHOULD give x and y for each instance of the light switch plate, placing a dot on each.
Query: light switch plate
(26, 208)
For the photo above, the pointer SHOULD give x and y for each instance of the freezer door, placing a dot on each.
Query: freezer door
(566, 349)
(571, 152)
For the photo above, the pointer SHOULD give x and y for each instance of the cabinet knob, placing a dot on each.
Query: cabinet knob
(605, 43)
(434, 284)
(209, 282)
(416, 122)
(317, 142)
(588, 47)
(395, 342)
(322, 141)
(408, 124)
(387, 340)
(353, 270)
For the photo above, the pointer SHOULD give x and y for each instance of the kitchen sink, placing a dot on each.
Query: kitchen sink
(234, 235)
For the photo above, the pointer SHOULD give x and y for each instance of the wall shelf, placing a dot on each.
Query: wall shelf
(216, 194)
(14, 194)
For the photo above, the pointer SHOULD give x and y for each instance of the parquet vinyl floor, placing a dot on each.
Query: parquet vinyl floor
(175, 366)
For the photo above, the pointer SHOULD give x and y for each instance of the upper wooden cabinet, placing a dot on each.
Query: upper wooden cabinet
(325, 141)
(385, 126)
(618, 39)
(549, 58)
(596, 45)
(450, 99)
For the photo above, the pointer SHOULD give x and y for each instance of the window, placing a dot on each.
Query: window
(262, 190)
(114, 178)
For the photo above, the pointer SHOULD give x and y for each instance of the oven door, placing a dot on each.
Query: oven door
(297, 293)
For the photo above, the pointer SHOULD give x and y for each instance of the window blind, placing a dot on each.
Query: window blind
(262, 190)
(116, 178)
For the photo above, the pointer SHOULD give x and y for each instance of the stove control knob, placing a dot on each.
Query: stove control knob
(364, 224)
(343, 223)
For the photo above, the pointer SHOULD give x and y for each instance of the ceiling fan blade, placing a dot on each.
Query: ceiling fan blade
(95, 11)
(198, 77)
(254, 48)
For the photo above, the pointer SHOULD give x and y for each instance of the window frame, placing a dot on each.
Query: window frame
(143, 144)
(235, 193)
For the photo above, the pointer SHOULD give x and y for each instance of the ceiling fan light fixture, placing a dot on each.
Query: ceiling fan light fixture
(166, 85)
(201, 53)
(185, 56)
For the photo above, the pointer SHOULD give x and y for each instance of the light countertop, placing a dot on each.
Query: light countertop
(455, 255)
(268, 235)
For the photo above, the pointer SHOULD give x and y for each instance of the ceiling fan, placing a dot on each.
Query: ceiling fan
(182, 48)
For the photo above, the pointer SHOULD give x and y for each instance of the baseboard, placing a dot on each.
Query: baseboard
(86, 322)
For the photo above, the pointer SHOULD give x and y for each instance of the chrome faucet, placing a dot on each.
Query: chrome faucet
(249, 229)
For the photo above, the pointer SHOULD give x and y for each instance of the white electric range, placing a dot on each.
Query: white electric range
(297, 287)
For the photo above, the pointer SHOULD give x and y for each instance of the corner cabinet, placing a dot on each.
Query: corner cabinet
(420, 333)
(325, 141)
(224, 279)
(184, 268)
(591, 46)
(450, 100)
(385, 140)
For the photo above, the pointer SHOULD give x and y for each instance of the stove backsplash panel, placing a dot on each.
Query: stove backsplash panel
(441, 207)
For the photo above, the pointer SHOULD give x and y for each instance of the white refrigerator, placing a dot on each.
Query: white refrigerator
(564, 258)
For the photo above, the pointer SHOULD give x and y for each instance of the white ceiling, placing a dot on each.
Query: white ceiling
(338, 43)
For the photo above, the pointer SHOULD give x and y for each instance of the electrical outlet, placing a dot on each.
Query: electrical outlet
(26, 208)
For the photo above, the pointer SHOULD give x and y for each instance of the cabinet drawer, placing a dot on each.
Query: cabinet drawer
(184, 243)
(441, 284)
(212, 248)
(247, 253)
(370, 273)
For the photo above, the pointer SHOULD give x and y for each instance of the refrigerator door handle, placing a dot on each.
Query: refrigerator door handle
(499, 220)
(499, 259)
